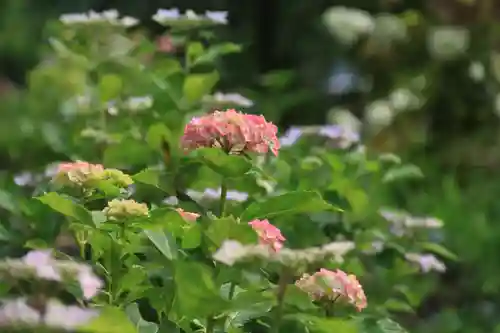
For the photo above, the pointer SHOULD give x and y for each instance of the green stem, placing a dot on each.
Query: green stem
(280, 297)
(232, 288)
(223, 198)
(210, 324)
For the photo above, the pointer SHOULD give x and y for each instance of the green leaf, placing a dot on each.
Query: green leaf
(327, 325)
(157, 133)
(439, 250)
(107, 187)
(36, 244)
(67, 207)
(298, 202)
(250, 304)
(128, 152)
(198, 85)
(222, 163)
(148, 177)
(216, 51)
(191, 237)
(4, 233)
(196, 293)
(298, 298)
(110, 86)
(398, 306)
(7, 202)
(110, 320)
(163, 241)
(402, 172)
(141, 325)
(228, 228)
(169, 219)
(389, 326)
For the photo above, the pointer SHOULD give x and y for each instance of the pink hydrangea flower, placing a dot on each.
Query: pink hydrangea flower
(268, 234)
(188, 216)
(334, 285)
(233, 131)
(78, 173)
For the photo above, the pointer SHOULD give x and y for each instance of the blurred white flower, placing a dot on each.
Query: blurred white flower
(173, 17)
(291, 136)
(477, 71)
(138, 103)
(448, 42)
(108, 16)
(379, 113)
(389, 28)
(497, 105)
(128, 21)
(426, 262)
(233, 98)
(217, 16)
(43, 263)
(348, 24)
(18, 312)
(89, 282)
(345, 118)
(403, 99)
(58, 315)
(165, 15)
(171, 201)
(74, 18)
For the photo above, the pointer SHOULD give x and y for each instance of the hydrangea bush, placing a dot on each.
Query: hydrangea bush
(189, 215)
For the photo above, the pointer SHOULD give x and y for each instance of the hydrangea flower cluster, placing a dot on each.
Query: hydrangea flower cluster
(119, 209)
(84, 174)
(232, 131)
(268, 234)
(110, 16)
(40, 265)
(333, 286)
(174, 17)
(18, 313)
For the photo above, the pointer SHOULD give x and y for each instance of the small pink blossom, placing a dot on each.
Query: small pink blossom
(43, 263)
(233, 131)
(78, 173)
(334, 285)
(268, 234)
(188, 216)
(89, 282)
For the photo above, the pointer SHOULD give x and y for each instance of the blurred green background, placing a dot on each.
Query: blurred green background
(423, 83)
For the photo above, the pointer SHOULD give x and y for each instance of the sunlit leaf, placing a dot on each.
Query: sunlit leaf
(67, 207)
(163, 241)
(198, 85)
(110, 320)
(298, 202)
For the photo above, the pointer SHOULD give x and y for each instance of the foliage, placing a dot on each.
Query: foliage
(212, 239)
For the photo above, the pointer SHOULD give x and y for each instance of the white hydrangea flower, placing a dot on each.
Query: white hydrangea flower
(389, 28)
(448, 42)
(426, 262)
(348, 24)
(403, 99)
(235, 99)
(477, 71)
(138, 103)
(174, 17)
(379, 113)
(109, 16)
